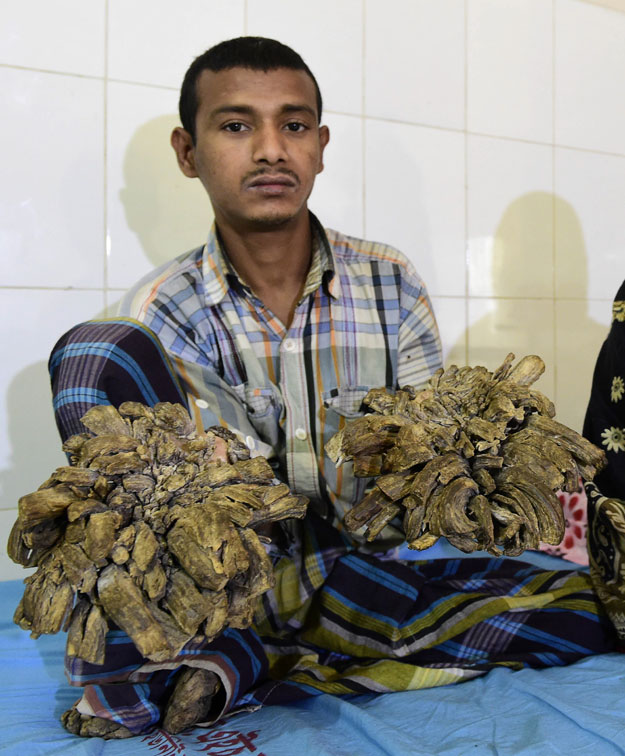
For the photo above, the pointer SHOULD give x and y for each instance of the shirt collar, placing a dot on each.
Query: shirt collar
(219, 275)
(322, 270)
(215, 269)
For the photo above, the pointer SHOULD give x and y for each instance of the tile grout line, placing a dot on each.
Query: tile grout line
(91, 77)
(466, 182)
(421, 125)
(483, 134)
(53, 288)
(484, 297)
(105, 271)
(363, 117)
(553, 201)
(495, 298)
(466, 177)
(149, 84)
(52, 71)
(449, 297)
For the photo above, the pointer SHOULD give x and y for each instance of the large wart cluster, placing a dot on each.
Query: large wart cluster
(475, 457)
(152, 526)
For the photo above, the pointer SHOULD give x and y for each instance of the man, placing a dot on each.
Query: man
(277, 328)
(254, 140)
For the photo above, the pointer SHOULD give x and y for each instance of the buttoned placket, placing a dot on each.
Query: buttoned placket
(301, 458)
(256, 374)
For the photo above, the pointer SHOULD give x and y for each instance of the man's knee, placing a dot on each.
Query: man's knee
(108, 362)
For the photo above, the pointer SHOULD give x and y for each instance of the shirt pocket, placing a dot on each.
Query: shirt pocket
(259, 403)
(345, 402)
(342, 405)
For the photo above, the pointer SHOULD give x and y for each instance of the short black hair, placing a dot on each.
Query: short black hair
(256, 53)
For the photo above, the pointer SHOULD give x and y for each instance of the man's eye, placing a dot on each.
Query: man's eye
(295, 126)
(234, 127)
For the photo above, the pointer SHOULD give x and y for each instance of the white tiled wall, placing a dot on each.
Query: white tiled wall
(509, 62)
(485, 138)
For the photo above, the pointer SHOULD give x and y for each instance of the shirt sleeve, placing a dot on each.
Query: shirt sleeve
(419, 346)
(211, 401)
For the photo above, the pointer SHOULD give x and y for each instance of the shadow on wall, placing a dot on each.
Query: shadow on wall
(168, 212)
(523, 317)
(34, 440)
(33, 437)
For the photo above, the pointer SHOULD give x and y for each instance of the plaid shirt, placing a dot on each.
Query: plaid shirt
(364, 320)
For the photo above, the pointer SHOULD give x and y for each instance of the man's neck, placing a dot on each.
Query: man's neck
(273, 263)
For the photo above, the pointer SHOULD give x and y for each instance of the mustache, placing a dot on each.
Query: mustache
(252, 175)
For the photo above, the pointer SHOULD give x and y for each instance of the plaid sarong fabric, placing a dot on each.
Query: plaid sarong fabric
(338, 621)
(108, 362)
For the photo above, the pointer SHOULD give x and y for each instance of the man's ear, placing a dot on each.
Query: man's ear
(182, 143)
(324, 138)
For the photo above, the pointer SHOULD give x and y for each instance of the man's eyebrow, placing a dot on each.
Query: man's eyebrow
(243, 109)
(299, 109)
(248, 110)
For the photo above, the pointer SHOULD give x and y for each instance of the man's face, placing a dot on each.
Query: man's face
(258, 145)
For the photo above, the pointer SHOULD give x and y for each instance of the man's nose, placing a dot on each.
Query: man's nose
(269, 146)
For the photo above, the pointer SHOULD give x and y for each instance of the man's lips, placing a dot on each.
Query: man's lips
(268, 183)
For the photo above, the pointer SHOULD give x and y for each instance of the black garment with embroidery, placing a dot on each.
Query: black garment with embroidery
(604, 424)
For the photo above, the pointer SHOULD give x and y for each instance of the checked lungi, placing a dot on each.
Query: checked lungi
(337, 621)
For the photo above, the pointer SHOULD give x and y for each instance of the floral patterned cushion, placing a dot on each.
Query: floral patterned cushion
(573, 545)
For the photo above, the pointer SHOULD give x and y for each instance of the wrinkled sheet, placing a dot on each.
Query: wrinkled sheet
(578, 709)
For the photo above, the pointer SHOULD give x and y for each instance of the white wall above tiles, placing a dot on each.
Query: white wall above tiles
(66, 35)
(509, 68)
(414, 65)
(484, 138)
(593, 187)
(154, 41)
(617, 5)
(338, 192)
(328, 36)
(589, 65)
(415, 199)
(52, 192)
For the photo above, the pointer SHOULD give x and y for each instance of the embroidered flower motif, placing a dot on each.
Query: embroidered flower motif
(618, 311)
(615, 511)
(614, 439)
(618, 388)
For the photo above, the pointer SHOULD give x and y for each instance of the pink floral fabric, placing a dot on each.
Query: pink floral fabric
(573, 545)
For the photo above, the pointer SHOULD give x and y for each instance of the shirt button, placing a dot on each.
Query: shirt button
(289, 345)
(251, 444)
(201, 403)
(300, 434)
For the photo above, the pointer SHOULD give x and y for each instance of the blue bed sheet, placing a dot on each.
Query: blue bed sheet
(574, 710)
